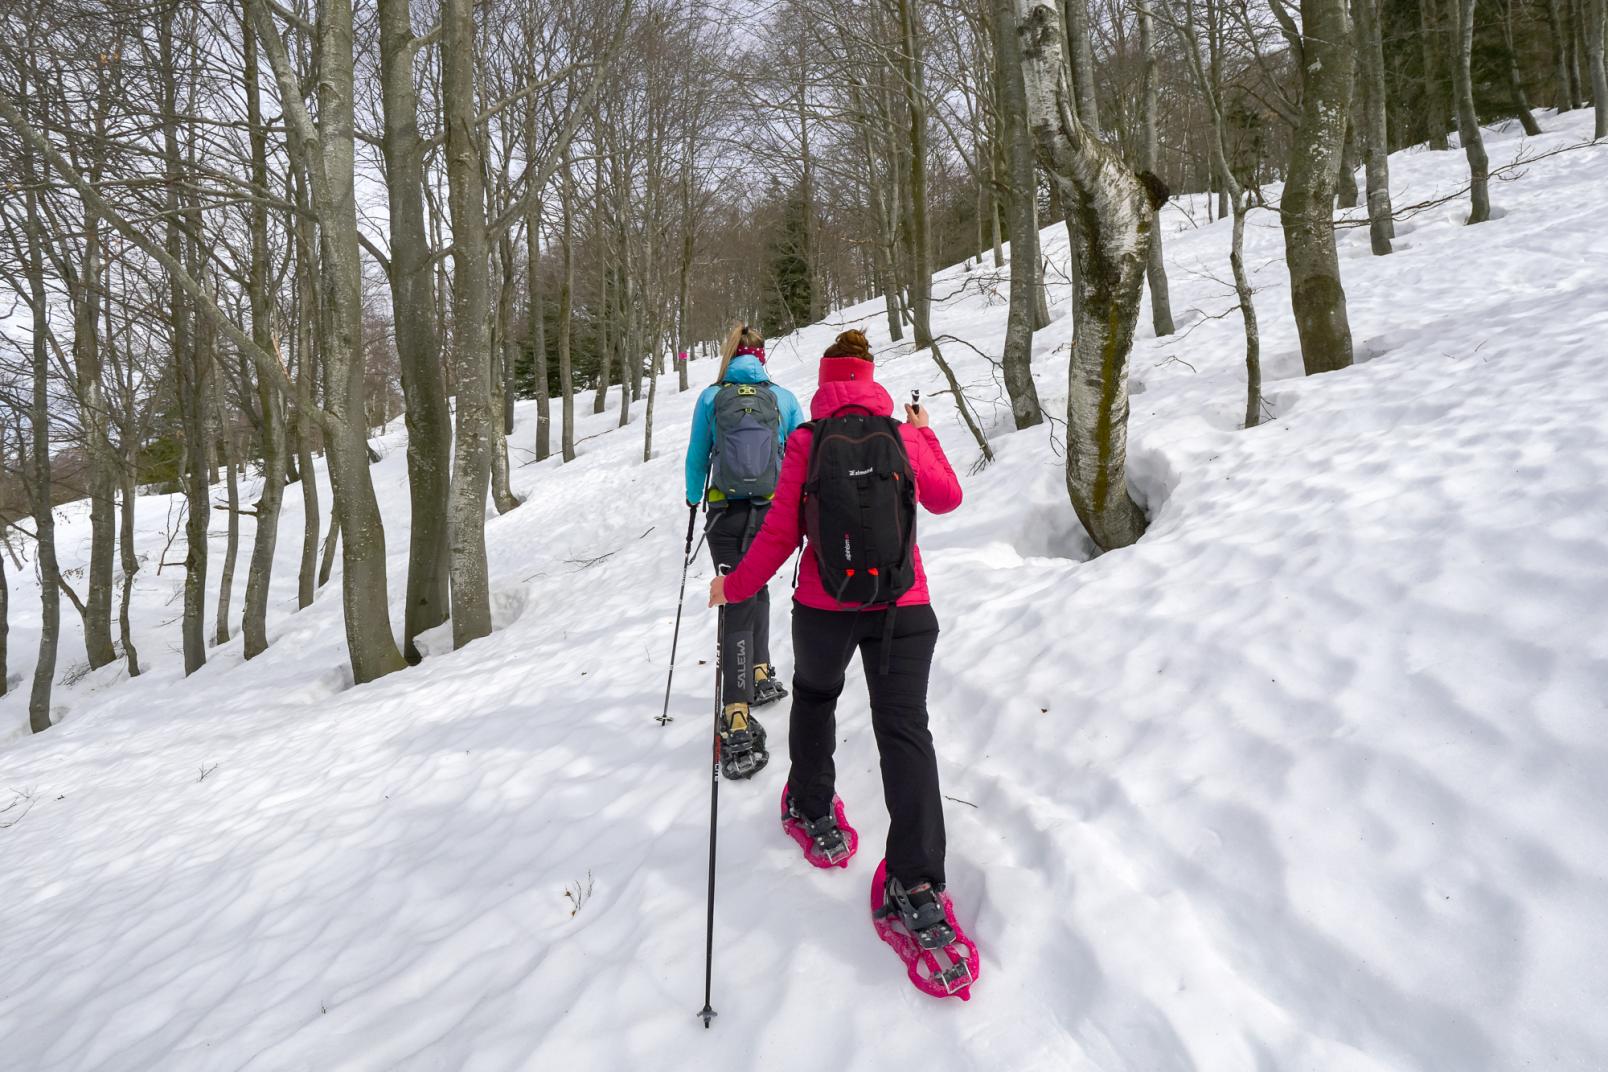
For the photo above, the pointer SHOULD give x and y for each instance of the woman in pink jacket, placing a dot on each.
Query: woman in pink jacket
(896, 646)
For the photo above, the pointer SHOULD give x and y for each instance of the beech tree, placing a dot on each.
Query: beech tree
(1115, 217)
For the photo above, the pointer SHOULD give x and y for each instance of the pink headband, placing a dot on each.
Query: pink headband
(756, 351)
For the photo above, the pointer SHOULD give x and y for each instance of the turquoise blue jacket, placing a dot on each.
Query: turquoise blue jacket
(744, 369)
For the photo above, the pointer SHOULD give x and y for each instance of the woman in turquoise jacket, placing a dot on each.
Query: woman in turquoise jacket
(733, 520)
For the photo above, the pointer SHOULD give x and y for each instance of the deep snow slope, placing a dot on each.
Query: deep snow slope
(1313, 777)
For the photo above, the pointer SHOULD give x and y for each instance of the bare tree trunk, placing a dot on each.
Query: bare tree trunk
(622, 337)
(913, 81)
(647, 421)
(308, 307)
(5, 625)
(1161, 318)
(259, 572)
(1307, 209)
(1041, 292)
(535, 319)
(1075, 21)
(129, 560)
(1375, 134)
(1207, 84)
(806, 193)
(1515, 78)
(1596, 29)
(94, 414)
(231, 549)
(501, 353)
(418, 338)
(1579, 56)
(1017, 358)
(1346, 177)
(1567, 91)
(884, 264)
(605, 355)
(1247, 306)
(326, 564)
(1468, 123)
(195, 377)
(471, 457)
(912, 68)
(996, 183)
(328, 151)
(1432, 35)
(190, 357)
(39, 439)
(566, 310)
(1116, 220)
(1214, 53)
(683, 306)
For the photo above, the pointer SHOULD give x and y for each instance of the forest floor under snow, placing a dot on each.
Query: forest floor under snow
(1312, 777)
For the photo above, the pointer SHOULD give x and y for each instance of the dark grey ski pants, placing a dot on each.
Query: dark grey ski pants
(731, 527)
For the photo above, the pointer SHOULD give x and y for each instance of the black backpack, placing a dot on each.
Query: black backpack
(859, 508)
(748, 446)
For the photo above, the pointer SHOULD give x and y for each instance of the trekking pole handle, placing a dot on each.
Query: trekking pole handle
(692, 525)
(915, 400)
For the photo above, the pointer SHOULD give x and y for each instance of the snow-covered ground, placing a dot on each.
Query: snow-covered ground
(1313, 777)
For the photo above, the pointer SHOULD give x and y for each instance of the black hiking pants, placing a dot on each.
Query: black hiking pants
(745, 643)
(896, 673)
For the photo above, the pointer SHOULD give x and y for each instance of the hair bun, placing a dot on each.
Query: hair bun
(851, 343)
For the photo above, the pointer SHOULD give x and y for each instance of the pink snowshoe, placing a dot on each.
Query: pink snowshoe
(920, 926)
(828, 841)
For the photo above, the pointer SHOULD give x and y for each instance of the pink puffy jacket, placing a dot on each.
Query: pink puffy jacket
(845, 381)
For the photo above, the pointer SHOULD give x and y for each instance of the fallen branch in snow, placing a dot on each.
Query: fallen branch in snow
(206, 771)
(19, 798)
(1510, 172)
(1174, 359)
(588, 563)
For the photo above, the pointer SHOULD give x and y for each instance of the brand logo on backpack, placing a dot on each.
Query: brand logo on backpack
(861, 472)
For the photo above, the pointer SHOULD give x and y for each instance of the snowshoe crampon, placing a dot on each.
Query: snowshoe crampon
(742, 745)
(828, 841)
(938, 956)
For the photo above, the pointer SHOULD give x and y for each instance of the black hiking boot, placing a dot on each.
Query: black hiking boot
(824, 833)
(920, 910)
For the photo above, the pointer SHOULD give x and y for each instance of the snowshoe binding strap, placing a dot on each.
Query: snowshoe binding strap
(824, 833)
(767, 689)
(922, 914)
(828, 837)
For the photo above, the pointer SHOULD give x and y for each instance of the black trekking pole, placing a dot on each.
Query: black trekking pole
(686, 563)
(708, 1012)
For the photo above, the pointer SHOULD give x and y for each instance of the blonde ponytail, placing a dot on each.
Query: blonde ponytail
(740, 335)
